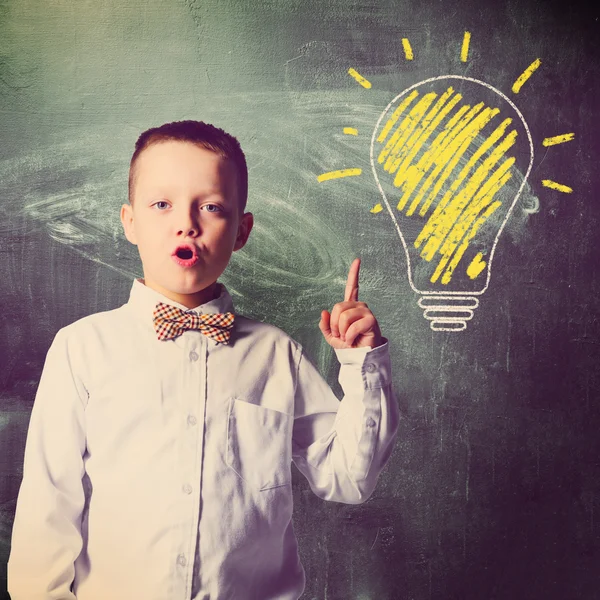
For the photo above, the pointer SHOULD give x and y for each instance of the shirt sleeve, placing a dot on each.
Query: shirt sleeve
(46, 536)
(342, 447)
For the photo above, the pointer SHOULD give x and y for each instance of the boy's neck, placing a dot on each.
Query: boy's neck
(188, 300)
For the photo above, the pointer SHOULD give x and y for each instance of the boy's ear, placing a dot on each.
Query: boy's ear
(244, 229)
(127, 222)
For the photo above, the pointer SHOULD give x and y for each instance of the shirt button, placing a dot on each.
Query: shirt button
(371, 422)
(187, 488)
(193, 356)
(191, 420)
(181, 560)
(371, 368)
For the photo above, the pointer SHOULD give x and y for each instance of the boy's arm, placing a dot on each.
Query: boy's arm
(342, 447)
(46, 536)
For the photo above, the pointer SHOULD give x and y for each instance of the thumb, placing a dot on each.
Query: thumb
(324, 324)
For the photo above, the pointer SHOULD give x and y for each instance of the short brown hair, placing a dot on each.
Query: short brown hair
(204, 135)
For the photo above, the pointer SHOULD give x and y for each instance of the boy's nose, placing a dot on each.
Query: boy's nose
(189, 226)
(188, 231)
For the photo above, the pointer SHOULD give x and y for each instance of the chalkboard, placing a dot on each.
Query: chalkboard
(493, 489)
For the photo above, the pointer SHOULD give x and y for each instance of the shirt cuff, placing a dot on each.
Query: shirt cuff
(375, 363)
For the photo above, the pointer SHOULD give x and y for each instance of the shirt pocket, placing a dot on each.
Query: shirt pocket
(259, 444)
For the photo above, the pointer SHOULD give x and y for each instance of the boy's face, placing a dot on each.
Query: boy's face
(184, 219)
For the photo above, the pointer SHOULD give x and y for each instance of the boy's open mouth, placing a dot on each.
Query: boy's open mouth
(185, 256)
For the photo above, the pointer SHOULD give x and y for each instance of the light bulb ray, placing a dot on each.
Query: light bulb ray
(464, 51)
(339, 174)
(350, 131)
(559, 187)
(359, 78)
(525, 75)
(558, 139)
(408, 51)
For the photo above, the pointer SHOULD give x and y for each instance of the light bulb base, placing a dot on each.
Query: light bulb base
(448, 313)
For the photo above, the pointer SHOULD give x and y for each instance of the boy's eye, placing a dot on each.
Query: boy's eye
(212, 207)
(161, 204)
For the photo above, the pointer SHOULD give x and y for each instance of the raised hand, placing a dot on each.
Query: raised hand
(351, 323)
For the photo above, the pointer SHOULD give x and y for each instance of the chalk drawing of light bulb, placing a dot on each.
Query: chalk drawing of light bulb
(450, 156)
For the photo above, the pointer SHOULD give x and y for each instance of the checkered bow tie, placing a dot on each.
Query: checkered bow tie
(170, 322)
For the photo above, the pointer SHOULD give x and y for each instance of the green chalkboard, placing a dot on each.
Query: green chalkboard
(493, 489)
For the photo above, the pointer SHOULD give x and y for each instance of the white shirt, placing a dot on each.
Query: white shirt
(162, 469)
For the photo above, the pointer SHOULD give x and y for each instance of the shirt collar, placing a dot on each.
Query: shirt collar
(143, 301)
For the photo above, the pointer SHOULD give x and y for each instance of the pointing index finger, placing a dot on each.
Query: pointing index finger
(351, 292)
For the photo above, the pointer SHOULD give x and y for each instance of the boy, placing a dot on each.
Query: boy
(158, 455)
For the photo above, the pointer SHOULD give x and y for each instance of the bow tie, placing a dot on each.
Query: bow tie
(170, 322)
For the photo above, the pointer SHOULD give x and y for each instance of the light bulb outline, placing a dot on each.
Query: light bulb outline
(463, 293)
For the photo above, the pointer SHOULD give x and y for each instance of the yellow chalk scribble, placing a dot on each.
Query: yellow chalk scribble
(408, 52)
(396, 115)
(477, 266)
(338, 174)
(350, 131)
(525, 75)
(356, 75)
(558, 139)
(376, 209)
(458, 252)
(559, 187)
(464, 52)
(449, 161)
